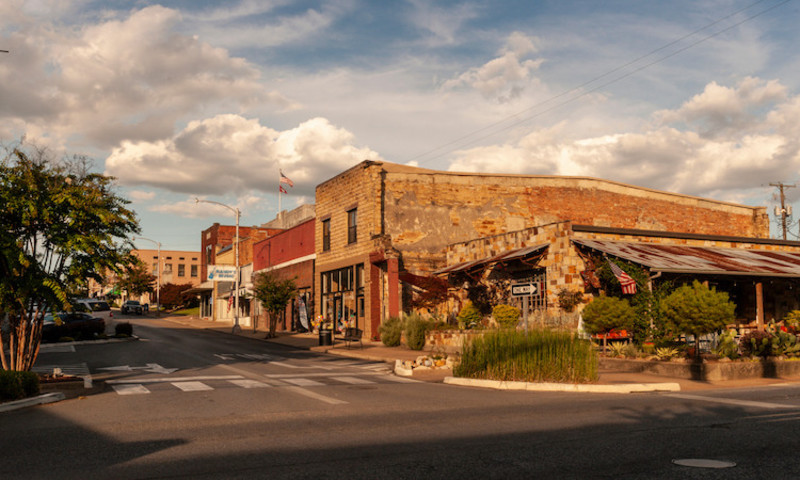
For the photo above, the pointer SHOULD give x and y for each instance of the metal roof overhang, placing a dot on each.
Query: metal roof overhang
(516, 254)
(701, 260)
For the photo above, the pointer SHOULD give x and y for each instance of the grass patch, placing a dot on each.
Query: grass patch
(193, 312)
(536, 356)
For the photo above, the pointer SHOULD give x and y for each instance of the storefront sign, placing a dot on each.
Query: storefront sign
(221, 273)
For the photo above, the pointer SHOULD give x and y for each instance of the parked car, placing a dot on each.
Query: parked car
(132, 306)
(94, 307)
(71, 324)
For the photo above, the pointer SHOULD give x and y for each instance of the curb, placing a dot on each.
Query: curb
(29, 402)
(564, 387)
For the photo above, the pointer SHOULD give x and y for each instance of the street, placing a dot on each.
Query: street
(186, 403)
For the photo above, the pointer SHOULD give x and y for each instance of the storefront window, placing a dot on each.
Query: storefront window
(343, 296)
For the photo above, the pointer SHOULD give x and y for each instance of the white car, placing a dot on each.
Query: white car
(97, 308)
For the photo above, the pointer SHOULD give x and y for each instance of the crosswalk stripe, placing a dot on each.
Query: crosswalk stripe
(249, 383)
(303, 382)
(130, 389)
(352, 380)
(192, 386)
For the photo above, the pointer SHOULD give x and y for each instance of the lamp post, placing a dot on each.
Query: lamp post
(158, 272)
(237, 213)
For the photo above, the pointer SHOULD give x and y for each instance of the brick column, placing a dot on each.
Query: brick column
(374, 301)
(394, 286)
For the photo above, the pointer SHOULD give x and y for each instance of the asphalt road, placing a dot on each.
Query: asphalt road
(237, 408)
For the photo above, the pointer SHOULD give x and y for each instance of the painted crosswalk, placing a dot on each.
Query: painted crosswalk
(144, 386)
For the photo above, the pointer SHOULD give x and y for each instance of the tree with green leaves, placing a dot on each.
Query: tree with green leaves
(60, 225)
(274, 294)
(698, 310)
(173, 296)
(136, 278)
(604, 314)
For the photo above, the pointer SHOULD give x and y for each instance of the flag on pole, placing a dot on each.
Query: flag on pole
(628, 284)
(281, 189)
(285, 179)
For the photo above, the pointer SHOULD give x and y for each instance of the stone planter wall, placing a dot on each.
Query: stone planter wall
(707, 371)
(449, 340)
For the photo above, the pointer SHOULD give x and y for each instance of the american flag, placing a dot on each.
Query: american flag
(285, 179)
(281, 189)
(628, 284)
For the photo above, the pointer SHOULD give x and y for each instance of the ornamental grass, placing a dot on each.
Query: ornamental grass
(539, 355)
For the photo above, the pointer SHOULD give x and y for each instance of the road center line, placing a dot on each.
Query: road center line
(316, 396)
(731, 401)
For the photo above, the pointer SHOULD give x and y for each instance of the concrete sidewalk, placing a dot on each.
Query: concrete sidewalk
(376, 351)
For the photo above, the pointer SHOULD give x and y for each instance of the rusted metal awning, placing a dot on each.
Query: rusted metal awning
(700, 260)
(516, 254)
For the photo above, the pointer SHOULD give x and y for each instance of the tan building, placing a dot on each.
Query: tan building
(381, 226)
(178, 267)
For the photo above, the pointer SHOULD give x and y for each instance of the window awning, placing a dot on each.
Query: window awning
(700, 260)
(517, 254)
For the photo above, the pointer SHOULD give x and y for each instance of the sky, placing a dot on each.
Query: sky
(205, 99)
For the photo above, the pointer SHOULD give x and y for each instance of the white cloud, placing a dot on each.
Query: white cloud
(132, 78)
(748, 140)
(230, 153)
(505, 77)
(141, 196)
(442, 23)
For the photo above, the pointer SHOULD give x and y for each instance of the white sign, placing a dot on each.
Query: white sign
(523, 289)
(221, 273)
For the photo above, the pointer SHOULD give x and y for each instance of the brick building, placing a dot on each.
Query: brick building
(381, 225)
(290, 255)
(214, 242)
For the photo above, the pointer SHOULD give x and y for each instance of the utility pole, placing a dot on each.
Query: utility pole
(784, 211)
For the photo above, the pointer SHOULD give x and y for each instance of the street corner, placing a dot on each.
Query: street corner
(32, 401)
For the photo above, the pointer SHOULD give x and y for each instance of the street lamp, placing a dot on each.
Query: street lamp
(236, 327)
(158, 271)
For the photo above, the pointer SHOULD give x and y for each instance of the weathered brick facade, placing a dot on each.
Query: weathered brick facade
(407, 217)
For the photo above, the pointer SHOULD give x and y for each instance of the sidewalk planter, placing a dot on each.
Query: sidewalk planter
(325, 336)
(450, 340)
(707, 371)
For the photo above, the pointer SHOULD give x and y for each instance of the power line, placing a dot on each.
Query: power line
(593, 80)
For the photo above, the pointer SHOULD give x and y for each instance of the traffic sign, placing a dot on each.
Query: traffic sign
(523, 289)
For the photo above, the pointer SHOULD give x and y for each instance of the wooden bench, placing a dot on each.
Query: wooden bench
(353, 335)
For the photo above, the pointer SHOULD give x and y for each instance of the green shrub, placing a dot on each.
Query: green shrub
(391, 330)
(123, 329)
(16, 385)
(416, 328)
(506, 315)
(784, 343)
(698, 310)
(469, 316)
(727, 346)
(536, 356)
(604, 314)
(569, 299)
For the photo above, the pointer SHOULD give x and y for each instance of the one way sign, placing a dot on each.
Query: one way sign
(523, 289)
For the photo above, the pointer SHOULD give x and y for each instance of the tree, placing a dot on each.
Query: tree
(698, 310)
(604, 314)
(172, 295)
(274, 294)
(59, 226)
(136, 279)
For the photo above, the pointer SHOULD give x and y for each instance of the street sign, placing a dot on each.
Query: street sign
(523, 290)
(221, 273)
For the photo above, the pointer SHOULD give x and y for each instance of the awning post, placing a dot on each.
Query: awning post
(759, 305)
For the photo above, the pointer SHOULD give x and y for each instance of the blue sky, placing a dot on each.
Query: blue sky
(185, 99)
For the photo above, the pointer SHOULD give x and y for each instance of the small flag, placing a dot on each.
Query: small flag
(230, 301)
(285, 179)
(628, 284)
(281, 189)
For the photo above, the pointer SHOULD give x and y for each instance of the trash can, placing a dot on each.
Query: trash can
(325, 336)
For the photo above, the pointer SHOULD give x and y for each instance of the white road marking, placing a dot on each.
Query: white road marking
(352, 380)
(130, 389)
(289, 365)
(192, 386)
(304, 382)
(731, 401)
(173, 379)
(316, 396)
(246, 383)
